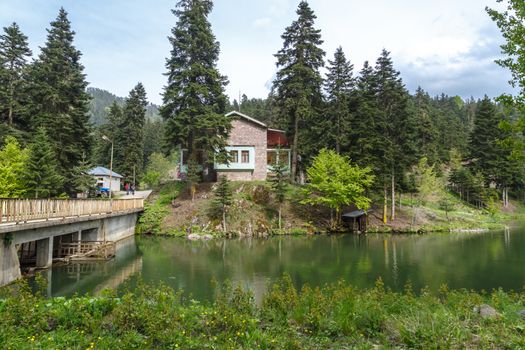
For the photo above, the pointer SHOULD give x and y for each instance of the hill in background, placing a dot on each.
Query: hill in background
(102, 100)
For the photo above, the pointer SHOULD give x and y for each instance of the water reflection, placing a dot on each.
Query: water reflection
(472, 261)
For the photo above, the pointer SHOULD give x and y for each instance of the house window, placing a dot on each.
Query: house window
(234, 157)
(245, 156)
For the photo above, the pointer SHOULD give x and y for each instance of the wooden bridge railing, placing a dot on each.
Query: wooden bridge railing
(24, 210)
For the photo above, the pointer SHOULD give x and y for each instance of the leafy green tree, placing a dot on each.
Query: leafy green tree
(298, 82)
(223, 198)
(13, 167)
(279, 180)
(511, 23)
(334, 182)
(194, 98)
(43, 174)
(158, 169)
(59, 101)
(14, 53)
(338, 86)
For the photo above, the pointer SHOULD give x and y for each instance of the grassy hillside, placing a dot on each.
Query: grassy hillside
(255, 213)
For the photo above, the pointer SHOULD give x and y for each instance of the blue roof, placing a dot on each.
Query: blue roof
(101, 171)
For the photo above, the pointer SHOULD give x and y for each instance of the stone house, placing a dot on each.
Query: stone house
(252, 147)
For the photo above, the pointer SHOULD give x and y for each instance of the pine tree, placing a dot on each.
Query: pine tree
(483, 146)
(298, 82)
(487, 152)
(396, 122)
(43, 176)
(194, 99)
(223, 198)
(279, 182)
(84, 182)
(113, 130)
(338, 86)
(59, 98)
(129, 139)
(364, 136)
(428, 133)
(14, 53)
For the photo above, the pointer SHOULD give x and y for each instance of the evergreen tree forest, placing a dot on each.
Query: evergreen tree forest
(320, 99)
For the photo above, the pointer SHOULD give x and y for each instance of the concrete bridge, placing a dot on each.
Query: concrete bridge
(41, 226)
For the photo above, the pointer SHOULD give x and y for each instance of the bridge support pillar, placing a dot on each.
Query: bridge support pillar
(77, 237)
(9, 263)
(44, 253)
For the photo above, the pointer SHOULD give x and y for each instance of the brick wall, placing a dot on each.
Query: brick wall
(247, 133)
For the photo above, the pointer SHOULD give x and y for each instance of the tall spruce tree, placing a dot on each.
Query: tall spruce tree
(43, 176)
(428, 134)
(488, 155)
(483, 147)
(396, 122)
(130, 135)
(194, 99)
(363, 136)
(14, 53)
(338, 86)
(112, 129)
(298, 82)
(59, 98)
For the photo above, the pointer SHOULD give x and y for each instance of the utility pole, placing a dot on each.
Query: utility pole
(105, 138)
(134, 187)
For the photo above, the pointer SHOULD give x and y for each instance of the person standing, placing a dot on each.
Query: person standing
(126, 187)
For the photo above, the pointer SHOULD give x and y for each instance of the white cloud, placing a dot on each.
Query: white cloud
(263, 22)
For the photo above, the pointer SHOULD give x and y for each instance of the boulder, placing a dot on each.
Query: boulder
(486, 311)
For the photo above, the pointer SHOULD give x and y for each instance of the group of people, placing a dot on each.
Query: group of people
(129, 188)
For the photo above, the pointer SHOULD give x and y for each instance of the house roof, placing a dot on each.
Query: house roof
(244, 116)
(101, 171)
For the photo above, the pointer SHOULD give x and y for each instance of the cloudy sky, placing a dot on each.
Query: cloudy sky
(444, 46)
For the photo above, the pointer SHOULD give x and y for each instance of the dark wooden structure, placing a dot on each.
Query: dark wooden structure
(357, 221)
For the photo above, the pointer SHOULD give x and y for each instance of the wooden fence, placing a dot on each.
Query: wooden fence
(87, 250)
(24, 210)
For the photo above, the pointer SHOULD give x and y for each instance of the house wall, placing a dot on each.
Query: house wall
(247, 133)
(115, 182)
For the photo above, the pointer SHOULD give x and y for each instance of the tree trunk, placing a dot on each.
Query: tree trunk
(393, 209)
(11, 97)
(338, 133)
(294, 149)
(385, 220)
(224, 219)
(280, 210)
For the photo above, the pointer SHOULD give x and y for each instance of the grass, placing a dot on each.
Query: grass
(255, 213)
(337, 316)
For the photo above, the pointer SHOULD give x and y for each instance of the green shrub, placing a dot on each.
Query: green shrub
(336, 316)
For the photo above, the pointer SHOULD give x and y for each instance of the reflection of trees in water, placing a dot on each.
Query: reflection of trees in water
(92, 277)
(461, 260)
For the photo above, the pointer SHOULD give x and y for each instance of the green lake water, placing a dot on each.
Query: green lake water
(463, 260)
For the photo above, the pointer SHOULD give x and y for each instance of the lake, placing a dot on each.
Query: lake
(478, 261)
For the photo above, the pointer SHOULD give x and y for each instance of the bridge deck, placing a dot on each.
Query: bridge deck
(18, 214)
